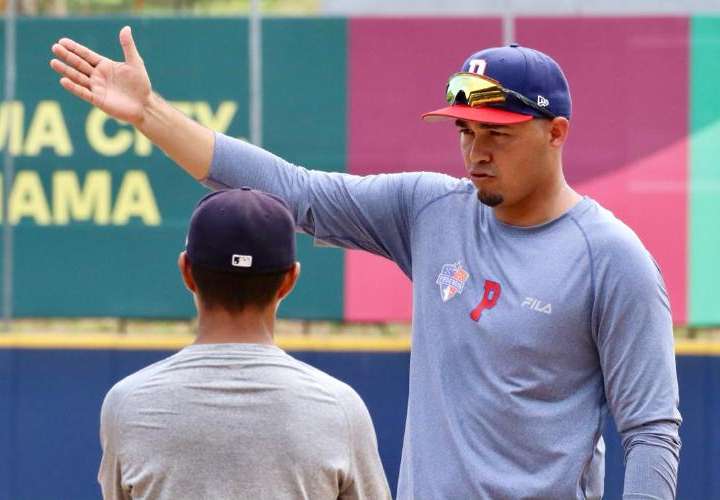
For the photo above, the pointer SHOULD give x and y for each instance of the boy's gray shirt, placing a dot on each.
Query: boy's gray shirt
(523, 337)
(235, 421)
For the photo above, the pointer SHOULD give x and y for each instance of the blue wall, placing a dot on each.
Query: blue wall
(50, 400)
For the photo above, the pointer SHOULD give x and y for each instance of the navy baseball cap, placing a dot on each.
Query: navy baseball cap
(530, 85)
(241, 231)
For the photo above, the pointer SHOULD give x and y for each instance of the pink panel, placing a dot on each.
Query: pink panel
(627, 147)
(379, 291)
(397, 70)
(649, 195)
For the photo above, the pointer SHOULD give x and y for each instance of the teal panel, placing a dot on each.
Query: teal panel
(304, 120)
(101, 215)
(704, 172)
(305, 91)
(119, 266)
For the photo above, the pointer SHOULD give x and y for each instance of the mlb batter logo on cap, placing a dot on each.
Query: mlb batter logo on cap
(242, 260)
(452, 280)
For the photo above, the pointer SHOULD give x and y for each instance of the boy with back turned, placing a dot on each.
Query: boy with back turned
(233, 416)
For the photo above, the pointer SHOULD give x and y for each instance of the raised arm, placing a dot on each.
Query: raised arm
(123, 91)
(372, 213)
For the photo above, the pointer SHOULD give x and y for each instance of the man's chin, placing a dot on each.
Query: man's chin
(490, 199)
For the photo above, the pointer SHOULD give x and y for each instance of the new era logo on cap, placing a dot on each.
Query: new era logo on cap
(242, 260)
(542, 102)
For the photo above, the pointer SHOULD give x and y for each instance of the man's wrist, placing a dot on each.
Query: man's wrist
(150, 112)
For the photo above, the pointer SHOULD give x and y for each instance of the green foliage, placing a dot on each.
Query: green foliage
(165, 7)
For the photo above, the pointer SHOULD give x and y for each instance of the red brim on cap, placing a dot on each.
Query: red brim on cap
(481, 115)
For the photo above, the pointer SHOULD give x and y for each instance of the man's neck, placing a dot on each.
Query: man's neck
(251, 326)
(542, 206)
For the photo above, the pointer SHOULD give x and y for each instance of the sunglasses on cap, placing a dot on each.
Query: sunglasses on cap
(477, 90)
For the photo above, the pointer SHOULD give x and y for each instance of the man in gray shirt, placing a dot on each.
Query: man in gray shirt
(535, 311)
(233, 416)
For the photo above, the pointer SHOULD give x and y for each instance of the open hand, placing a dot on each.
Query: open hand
(120, 89)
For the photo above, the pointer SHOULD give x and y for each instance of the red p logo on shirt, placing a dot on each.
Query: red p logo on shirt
(490, 298)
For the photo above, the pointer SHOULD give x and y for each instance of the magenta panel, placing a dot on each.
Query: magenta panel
(375, 289)
(397, 70)
(627, 147)
(649, 195)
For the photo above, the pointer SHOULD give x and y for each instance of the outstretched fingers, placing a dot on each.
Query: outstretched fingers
(87, 55)
(72, 59)
(71, 73)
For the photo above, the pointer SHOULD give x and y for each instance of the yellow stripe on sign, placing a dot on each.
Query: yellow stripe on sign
(339, 343)
(697, 348)
(178, 341)
(94, 341)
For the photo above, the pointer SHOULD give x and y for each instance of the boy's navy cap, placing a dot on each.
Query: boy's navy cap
(526, 71)
(241, 231)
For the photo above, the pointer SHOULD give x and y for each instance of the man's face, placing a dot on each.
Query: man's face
(507, 163)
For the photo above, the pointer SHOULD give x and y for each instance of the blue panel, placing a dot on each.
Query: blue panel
(699, 379)
(699, 474)
(58, 399)
(59, 395)
(7, 419)
(614, 466)
(50, 402)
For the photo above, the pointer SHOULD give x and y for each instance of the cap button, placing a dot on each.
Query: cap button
(246, 188)
(515, 45)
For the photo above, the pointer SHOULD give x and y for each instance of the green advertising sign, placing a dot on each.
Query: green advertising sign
(100, 214)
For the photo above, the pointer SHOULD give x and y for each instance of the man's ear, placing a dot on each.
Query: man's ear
(559, 129)
(288, 282)
(184, 266)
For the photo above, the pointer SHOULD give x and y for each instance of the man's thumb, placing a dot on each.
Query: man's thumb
(128, 46)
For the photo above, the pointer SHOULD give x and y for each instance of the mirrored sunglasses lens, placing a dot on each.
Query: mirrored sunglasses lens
(475, 90)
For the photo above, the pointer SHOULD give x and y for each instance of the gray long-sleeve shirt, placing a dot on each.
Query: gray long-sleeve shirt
(523, 338)
(237, 421)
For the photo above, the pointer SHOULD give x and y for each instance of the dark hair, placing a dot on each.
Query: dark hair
(235, 292)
